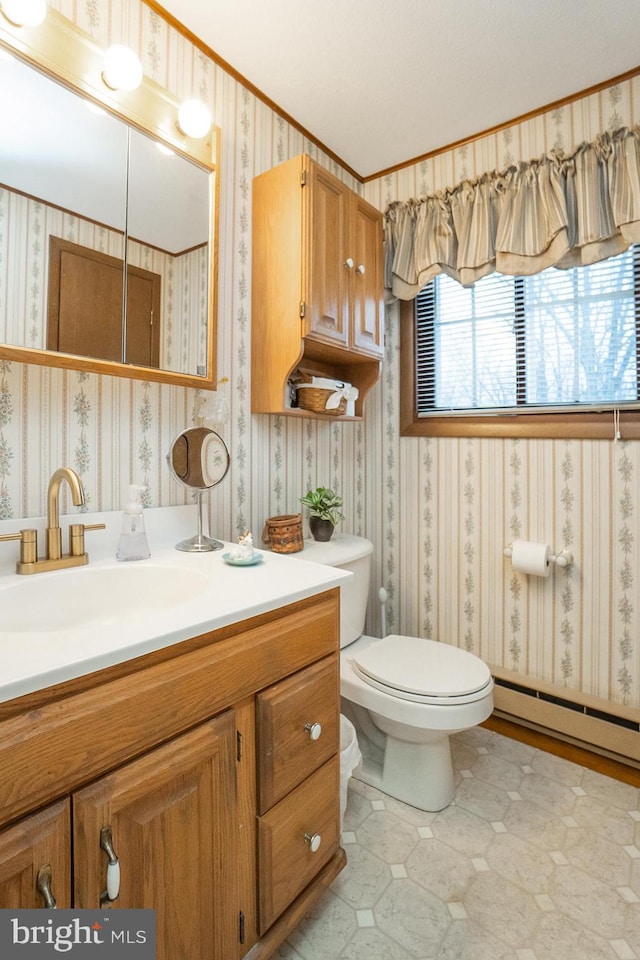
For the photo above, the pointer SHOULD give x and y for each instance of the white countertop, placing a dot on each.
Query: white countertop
(30, 661)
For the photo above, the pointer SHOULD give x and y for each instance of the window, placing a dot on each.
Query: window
(559, 346)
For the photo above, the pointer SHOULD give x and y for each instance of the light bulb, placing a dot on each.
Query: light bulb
(194, 119)
(122, 69)
(24, 13)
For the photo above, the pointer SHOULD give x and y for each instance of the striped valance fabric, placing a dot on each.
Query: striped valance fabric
(559, 210)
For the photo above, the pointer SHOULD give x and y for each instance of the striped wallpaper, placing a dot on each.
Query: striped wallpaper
(439, 511)
(446, 573)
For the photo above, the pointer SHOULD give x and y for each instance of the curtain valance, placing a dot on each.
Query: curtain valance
(559, 210)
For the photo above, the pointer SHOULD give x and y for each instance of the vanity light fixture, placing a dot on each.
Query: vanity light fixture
(121, 69)
(194, 119)
(24, 13)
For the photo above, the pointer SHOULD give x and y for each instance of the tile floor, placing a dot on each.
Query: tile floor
(537, 859)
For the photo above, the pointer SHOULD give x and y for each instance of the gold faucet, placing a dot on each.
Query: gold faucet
(54, 533)
(55, 560)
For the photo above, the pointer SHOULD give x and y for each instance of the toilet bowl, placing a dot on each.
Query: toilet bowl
(447, 690)
(404, 695)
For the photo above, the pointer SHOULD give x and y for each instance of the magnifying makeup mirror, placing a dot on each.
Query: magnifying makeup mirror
(199, 460)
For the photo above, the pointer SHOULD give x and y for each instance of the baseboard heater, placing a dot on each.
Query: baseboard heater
(591, 722)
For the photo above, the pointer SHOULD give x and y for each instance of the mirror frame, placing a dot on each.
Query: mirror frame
(62, 51)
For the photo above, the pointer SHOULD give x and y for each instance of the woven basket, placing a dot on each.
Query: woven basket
(315, 400)
(284, 533)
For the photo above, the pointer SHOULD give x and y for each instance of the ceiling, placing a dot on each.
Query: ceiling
(381, 82)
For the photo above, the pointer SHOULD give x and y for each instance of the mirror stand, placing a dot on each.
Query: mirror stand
(199, 460)
(200, 543)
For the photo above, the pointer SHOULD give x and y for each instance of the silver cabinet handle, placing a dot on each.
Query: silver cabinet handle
(348, 263)
(314, 730)
(360, 269)
(314, 840)
(43, 886)
(113, 867)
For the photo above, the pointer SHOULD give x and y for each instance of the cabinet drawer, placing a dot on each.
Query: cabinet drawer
(286, 860)
(287, 711)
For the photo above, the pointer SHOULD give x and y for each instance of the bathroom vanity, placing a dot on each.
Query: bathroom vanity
(206, 766)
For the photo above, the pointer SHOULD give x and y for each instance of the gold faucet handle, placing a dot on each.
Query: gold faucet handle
(28, 544)
(76, 536)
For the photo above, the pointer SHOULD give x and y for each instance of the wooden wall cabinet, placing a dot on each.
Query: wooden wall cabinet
(317, 284)
(194, 758)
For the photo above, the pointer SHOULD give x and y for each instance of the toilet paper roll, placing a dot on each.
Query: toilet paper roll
(530, 557)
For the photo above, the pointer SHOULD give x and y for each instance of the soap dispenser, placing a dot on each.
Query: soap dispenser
(133, 544)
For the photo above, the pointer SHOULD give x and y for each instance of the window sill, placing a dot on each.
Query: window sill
(588, 426)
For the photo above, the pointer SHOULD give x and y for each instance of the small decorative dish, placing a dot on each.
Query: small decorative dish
(242, 561)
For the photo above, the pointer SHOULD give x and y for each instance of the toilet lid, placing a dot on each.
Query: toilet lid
(415, 667)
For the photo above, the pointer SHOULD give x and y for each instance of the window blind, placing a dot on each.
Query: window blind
(558, 340)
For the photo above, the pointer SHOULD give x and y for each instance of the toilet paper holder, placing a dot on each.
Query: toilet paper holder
(562, 559)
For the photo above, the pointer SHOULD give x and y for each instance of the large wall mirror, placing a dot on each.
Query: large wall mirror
(108, 217)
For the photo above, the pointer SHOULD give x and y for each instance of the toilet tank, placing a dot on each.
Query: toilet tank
(353, 554)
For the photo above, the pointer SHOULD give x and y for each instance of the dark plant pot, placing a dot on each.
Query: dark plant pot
(320, 529)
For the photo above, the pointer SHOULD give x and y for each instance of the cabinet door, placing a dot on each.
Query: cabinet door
(367, 284)
(171, 814)
(37, 847)
(326, 295)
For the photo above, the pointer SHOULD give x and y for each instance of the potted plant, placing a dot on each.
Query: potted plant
(324, 511)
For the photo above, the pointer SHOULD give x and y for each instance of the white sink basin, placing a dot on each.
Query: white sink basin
(82, 596)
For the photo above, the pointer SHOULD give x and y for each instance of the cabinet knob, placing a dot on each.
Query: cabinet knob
(113, 868)
(43, 886)
(314, 840)
(361, 269)
(348, 263)
(314, 730)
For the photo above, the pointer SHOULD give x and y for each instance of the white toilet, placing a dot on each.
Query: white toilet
(404, 695)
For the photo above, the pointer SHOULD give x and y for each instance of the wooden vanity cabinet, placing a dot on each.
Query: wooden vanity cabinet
(167, 752)
(317, 284)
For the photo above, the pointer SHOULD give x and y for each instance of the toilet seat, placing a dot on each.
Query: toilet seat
(424, 671)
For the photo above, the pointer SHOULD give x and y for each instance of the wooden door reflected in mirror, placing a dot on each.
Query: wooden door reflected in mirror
(84, 315)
